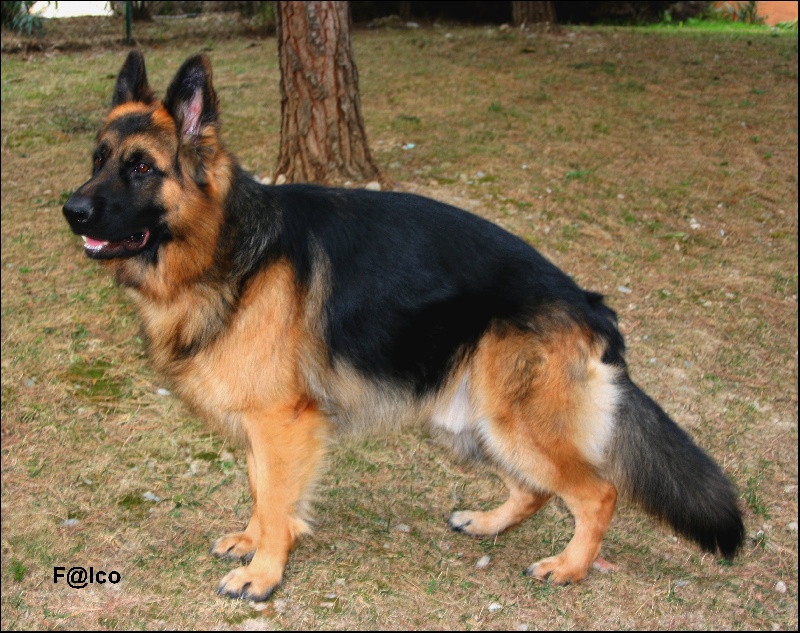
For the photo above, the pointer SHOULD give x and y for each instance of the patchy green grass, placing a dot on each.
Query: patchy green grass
(627, 156)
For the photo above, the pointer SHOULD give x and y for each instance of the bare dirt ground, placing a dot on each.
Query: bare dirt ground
(659, 168)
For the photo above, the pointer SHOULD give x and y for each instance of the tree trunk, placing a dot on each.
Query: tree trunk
(404, 10)
(322, 129)
(534, 13)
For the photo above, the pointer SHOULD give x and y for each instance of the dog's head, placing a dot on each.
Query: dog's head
(148, 157)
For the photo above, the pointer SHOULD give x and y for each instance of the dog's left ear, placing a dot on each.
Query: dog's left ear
(191, 99)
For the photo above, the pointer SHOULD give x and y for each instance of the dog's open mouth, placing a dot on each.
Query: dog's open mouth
(131, 245)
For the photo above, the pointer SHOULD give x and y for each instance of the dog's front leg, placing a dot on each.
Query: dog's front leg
(242, 545)
(285, 447)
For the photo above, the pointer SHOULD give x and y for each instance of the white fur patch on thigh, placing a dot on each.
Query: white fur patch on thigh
(455, 414)
(596, 417)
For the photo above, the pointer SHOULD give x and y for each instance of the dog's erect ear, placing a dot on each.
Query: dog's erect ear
(191, 99)
(132, 81)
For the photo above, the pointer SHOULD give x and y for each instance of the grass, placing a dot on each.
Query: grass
(624, 155)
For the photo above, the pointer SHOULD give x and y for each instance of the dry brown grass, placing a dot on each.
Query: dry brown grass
(662, 163)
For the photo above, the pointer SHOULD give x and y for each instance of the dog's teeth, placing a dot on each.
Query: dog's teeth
(93, 244)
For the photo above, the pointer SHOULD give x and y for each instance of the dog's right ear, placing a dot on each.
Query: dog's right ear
(132, 81)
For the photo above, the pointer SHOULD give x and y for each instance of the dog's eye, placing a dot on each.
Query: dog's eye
(141, 168)
(97, 160)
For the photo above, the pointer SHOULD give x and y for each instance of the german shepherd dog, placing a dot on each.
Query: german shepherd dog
(291, 314)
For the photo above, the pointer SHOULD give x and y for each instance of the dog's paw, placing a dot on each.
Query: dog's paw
(556, 570)
(475, 523)
(463, 522)
(236, 546)
(246, 583)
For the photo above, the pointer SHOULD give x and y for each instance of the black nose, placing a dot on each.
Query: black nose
(79, 210)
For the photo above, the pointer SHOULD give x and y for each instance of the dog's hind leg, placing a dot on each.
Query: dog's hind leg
(285, 448)
(566, 473)
(545, 412)
(521, 504)
(592, 501)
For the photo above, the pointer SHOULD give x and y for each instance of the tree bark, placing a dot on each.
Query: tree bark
(534, 13)
(322, 129)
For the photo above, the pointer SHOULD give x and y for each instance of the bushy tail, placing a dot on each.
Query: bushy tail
(660, 468)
